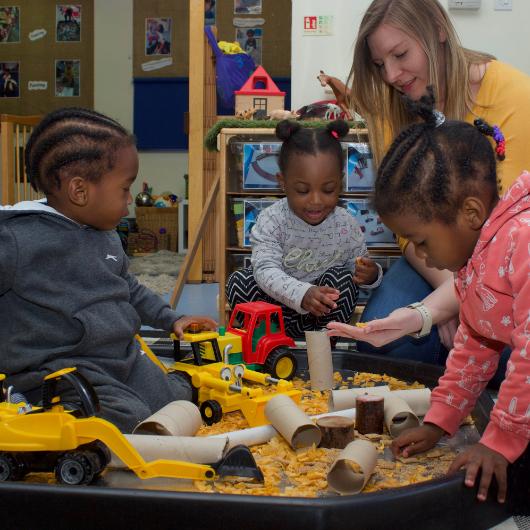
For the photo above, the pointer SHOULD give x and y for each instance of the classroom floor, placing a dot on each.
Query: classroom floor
(196, 299)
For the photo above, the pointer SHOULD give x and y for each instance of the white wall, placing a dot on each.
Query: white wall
(114, 92)
(501, 33)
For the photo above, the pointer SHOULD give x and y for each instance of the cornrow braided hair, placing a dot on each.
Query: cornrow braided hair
(433, 165)
(305, 140)
(72, 140)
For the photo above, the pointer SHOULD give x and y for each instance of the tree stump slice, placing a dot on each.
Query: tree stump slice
(369, 414)
(337, 431)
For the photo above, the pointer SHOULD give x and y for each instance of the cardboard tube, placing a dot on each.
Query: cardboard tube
(345, 398)
(319, 360)
(419, 399)
(200, 450)
(345, 480)
(178, 418)
(398, 415)
(263, 433)
(293, 424)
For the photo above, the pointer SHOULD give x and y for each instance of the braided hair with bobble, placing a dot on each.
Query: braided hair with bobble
(72, 141)
(311, 141)
(431, 167)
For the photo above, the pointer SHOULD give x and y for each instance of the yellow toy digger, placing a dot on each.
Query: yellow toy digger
(51, 438)
(217, 384)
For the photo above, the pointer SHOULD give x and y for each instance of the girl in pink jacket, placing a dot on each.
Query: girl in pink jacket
(437, 186)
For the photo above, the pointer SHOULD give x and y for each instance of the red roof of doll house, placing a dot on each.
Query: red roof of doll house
(259, 77)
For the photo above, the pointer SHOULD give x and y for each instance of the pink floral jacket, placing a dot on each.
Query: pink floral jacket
(494, 293)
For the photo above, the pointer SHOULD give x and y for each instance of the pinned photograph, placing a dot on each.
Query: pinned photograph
(375, 232)
(209, 12)
(247, 7)
(253, 207)
(10, 79)
(157, 36)
(260, 166)
(360, 172)
(68, 22)
(9, 24)
(67, 78)
(250, 40)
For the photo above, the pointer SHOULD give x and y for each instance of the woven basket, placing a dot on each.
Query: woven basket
(151, 218)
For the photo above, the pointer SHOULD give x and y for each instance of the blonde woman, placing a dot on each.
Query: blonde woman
(402, 47)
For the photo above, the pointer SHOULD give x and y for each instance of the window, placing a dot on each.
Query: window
(260, 104)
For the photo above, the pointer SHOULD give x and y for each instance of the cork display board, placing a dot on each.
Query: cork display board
(160, 38)
(161, 35)
(46, 55)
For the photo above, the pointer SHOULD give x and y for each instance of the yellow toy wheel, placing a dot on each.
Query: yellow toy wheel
(211, 411)
(281, 363)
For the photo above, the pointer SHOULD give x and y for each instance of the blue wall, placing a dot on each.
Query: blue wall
(159, 107)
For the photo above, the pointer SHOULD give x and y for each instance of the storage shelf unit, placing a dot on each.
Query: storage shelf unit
(247, 170)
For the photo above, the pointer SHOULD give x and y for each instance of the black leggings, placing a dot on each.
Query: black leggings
(241, 287)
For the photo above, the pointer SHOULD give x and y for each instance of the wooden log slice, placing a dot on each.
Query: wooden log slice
(369, 414)
(337, 431)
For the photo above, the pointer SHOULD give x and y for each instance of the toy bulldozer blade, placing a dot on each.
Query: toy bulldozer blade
(239, 462)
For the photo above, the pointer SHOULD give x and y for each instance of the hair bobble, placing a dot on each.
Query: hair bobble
(500, 141)
(335, 134)
(496, 134)
(439, 118)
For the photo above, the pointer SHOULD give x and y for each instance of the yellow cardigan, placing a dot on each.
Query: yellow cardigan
(504, 100)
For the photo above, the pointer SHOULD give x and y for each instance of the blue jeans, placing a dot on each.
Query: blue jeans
(401, 286)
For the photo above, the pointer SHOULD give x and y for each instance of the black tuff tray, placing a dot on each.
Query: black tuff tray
(441, 503)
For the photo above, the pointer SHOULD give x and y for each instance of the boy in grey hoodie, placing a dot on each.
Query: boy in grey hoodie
(66, 297)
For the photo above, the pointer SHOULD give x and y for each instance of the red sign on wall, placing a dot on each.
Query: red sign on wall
(310, 23)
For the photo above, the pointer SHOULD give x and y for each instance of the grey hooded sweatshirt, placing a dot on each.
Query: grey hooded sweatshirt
(66, 299)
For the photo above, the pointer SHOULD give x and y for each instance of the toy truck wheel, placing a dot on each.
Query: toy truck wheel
(281, 363)
(103, 455)
(10, 468)
(74, 469)
(211, 411)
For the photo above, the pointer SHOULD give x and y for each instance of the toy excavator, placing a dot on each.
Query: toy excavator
(51, 438)
(255, 339)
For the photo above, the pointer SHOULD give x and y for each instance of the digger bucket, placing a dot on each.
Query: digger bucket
(239, 462)
(254, 409)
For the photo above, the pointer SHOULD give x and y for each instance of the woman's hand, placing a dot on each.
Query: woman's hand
(479, 457)
(366, 271)
(182, 323)
(447, 331)
(379, 332)
(320, 300)
(416, 440)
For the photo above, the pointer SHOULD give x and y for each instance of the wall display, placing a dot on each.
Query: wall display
(67, 78)
(250, 40)
(10, 79)
(209, 12)
(52, 63)
(158, 36)
(161, 39)
(68, 22)
(375, 232)
(9, 24)
(260, 165)
(249, 7)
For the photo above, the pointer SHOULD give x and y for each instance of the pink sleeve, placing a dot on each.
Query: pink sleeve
(512, 411)
(470, 365)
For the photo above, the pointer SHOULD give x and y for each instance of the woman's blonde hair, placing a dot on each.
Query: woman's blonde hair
(379, 103)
